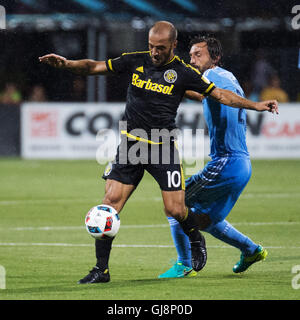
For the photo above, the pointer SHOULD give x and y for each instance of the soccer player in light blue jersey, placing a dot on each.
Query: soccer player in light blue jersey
(212, 192)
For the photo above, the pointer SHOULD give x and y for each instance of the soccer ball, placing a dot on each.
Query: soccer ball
(102, 222)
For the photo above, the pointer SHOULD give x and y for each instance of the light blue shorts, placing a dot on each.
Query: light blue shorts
(215, 189)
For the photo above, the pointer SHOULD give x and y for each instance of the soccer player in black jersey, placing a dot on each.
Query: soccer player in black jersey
(159, 80)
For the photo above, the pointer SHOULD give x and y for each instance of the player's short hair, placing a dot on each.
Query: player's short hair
(214, 47)
(160, 25)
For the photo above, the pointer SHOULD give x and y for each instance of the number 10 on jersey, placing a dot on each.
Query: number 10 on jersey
(174, 179)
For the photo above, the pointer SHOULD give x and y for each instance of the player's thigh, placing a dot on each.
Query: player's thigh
(117, 193)
(218, 179)
(168, 171)
(216, 189)
(171, 181)
(121, 169)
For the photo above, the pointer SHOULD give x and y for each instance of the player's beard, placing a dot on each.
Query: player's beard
(162, 59)
(197, 67)
(203, 68)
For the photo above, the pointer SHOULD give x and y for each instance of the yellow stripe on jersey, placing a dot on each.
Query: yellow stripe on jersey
(110, 65)
(188, 65)
(181, 169)
(125, 53)
(182, 178)
(170, 61)
(203, 78)
(208, 89)
(129, 135)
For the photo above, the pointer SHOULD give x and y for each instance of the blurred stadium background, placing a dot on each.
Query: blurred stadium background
(51, 114)
(259, 39)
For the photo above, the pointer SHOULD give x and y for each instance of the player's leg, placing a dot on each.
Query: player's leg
(183, 265)
(175, 207)
(204, 193)
(121, 180)
(223, 192)
(250, 251)
(181, 242)
(180, 239)
(116, 195)
(169, 175)
(225, 232)
(217, 192)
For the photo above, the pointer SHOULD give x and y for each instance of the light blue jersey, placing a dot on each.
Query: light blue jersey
(226, 125)
(214, 190)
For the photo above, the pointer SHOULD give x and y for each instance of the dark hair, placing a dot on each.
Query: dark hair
(213, 45)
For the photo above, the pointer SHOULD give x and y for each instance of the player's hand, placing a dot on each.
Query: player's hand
(269, 105)
(54, 60)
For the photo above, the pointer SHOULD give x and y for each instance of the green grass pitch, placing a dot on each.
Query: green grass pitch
(45, 248)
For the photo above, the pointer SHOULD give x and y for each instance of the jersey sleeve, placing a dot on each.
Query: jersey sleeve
(199, 83)
(122, 64)
(225, 82)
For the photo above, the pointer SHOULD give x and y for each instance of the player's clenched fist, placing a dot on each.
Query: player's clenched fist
(269, 105)
(54, 60)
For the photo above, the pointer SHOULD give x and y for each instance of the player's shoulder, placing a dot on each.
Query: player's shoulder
(128, 61)
(136, 55)
(220, 75)
(186, 67)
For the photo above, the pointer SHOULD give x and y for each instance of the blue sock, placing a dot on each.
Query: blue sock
(225, 232)
(181, 242)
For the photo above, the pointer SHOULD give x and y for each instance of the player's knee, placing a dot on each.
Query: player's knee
(112, 200)
(177, 211)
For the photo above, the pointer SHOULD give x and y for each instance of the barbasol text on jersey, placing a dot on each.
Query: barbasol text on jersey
(149, 85)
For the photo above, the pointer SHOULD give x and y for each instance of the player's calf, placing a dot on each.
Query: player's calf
(197, 241)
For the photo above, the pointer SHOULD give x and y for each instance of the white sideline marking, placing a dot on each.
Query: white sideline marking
(28, 244)
(272, 223)
(269, 195)
(148, 226)
(135, 199)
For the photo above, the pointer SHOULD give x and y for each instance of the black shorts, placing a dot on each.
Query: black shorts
(162, 161)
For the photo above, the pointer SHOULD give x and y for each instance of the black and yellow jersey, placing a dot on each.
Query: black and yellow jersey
(155, 93)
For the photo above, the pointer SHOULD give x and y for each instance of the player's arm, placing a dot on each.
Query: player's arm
(193, 95)
(83, 67)
(231, 99)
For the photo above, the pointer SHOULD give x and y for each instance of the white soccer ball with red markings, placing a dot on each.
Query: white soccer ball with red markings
(102, 222)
